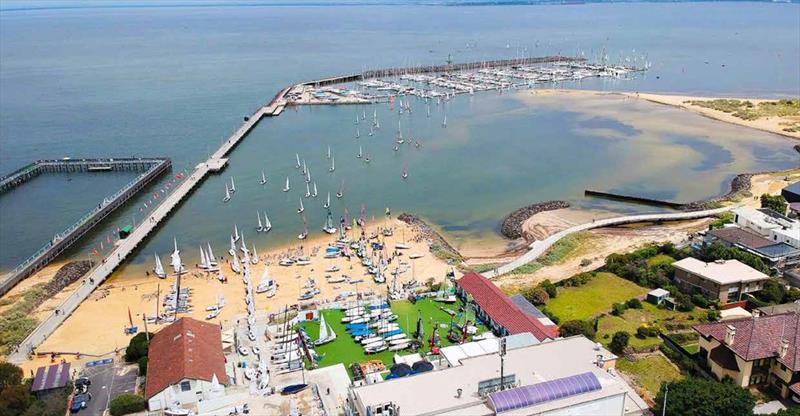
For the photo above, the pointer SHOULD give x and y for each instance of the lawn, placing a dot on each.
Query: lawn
(347, 351)
(587, 301)
(650, 315)
(649, 372)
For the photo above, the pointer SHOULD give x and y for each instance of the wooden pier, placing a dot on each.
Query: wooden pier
(633, 199)
(152, 167)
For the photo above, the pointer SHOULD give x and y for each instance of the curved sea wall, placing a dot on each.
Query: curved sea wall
(512, 224)
(438, 245)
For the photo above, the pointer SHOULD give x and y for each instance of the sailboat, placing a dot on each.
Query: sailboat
(308, 176)
(232, 250)
(364, 114)
(297, 156)
(235, 265)
(358, 133)
(308, 191)
(356, 118)
(304, 234)
(177, 264)
(205, 261)
(326, 333)
(314, 194)
(263, 178)
(429, 111)
(235, 233)
(227, 193)
(260, 227)
(444, 122)
(374, 117)
(327, 201)
(286, 188)
(233, 185)
(360, 153)
(371, 132)
(305, 168)
(341, 190)
(266, 284)
(329, 152)
(333, 165)
(243, 246)
(210, 254)
(399, 139)
(301, 209)
(159, 268)
(329, 228)
(405, 173)
(254, 259)
(267, 223)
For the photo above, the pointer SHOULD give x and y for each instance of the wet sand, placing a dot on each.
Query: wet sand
(97, 325)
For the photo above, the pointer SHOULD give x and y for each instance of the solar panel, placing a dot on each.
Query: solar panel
(533, 394)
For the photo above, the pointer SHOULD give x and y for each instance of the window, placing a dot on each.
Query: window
(186, 385)
(783, 367)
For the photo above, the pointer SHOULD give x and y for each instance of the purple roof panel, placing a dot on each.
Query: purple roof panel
(533, 394)
(52, 377)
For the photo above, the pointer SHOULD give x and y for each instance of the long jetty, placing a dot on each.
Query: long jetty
(539, 247)
(152, 167)
(634, 199)
(215, 163)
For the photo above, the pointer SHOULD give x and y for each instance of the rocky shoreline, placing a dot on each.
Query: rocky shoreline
(512, 224)
(437, 244)
(740, 183)
(67, 274)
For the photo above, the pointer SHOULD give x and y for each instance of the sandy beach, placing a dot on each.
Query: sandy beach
(97, 325)
(768, 124)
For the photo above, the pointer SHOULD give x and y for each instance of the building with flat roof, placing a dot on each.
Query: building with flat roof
(791, 193)
(775, 254)
(565, 376)
(726, 280)
(50, 378)
(770, 224)
(498, 311)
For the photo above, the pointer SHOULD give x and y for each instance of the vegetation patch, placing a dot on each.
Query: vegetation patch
(747, 110)
(649, 316)
(649, 372)
(593, 298)
(556, 254)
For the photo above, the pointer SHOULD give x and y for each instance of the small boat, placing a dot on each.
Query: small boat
(159, 268)
(263, 178)
(399, 341)
(260, 226)
(375, 350)
(314, 193)
(336, 280)
(267, 223)
(254, 259)
(227, 193)
(371, 340)
(210, 255)
(286, 187)
(333, 165)
(329, 228)
(233, 186)
(177, 264)
(304, 234)
(444, 122)
(358, 133)
(332, 269)
(326, 333)
(402, 246)
(303, 262)
(213, 314)
(297, 156)
(414, 256)
(267, 283)
(329, 152)
(236, 267)
(301, 209)
(232, 250)
(341, 190)
(308, 191)
(371, 131)
(306, 295)
(236, 235)
(405, 174)
(375, 344)
(395, 337)
(360, 153)
(292, 389)
(286, 262)
(327, 203)
(399, 347)
(366, 159)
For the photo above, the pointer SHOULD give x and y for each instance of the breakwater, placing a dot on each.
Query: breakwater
(437, 244)
(512, 224)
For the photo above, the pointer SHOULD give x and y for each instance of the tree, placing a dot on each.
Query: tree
(618, 309)
(137, 348)
(698, 397)
(538, 296)
(772, 292)
(143, 366)
(619, 342)
(550, 288)
(684, 302)
(577, 327)
(776, 203)
(15, 399)
(10, 375)
(126, 403)
(634, 303)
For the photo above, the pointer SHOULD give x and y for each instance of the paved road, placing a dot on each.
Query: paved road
(537, 248)
(108, 382)
(126, 246)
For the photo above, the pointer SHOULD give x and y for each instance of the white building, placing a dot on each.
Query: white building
(564, 376)
(185, 365)
(770, 224)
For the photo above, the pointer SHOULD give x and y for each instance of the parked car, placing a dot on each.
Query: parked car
(80, 401)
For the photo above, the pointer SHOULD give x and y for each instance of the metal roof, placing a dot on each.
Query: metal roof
(51, 377)
(520, 397)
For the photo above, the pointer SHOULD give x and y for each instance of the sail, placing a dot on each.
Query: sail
(323, 327)
(159, 269)
(260, 226)
(235, 232)
(210, 255)
(176, 261)
(203, 261)
(267, 224)
(233, 245)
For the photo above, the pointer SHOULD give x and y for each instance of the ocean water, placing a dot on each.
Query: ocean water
(174, 81)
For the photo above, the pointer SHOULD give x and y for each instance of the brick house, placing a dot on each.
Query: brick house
(726, 280)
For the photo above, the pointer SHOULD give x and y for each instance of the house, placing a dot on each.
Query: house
(726, 280)
(791, 193)
(569, 376)
(778, 309)
(185, 364)
(762, 350)
(776, 255)
(657, 296)
(497, 310)
(50, 379)
(770, 224)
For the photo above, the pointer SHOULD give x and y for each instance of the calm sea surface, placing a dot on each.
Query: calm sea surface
(175, 81)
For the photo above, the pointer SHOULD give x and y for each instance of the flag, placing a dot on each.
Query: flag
(130, 318)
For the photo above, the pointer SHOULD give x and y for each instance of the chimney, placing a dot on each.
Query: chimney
(730, 334)
(756, 313)
(784, 348)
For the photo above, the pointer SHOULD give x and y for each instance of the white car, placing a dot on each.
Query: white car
(243, 351)
(256, 350)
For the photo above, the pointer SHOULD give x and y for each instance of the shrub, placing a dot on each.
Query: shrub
(125, 404)
(684, 302)
(776, 203)
(550, 288)
(619, 342)
(696, 397)
(538, 296)
(634, 303)
(645, 331)
(137, 347)
(143, 366)
(618, 309)
(577, 327)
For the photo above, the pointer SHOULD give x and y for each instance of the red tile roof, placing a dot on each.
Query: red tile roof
(502, 310)
(186, 349)
(760, 337)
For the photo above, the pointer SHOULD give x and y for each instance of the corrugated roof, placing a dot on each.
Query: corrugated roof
(51, 377)
(525, 396)
(736, 235)
(186, 349)
(502, 310)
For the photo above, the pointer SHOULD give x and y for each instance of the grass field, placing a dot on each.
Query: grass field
(650, 315)
(649, 372)
(347, 351)
(593, 298)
